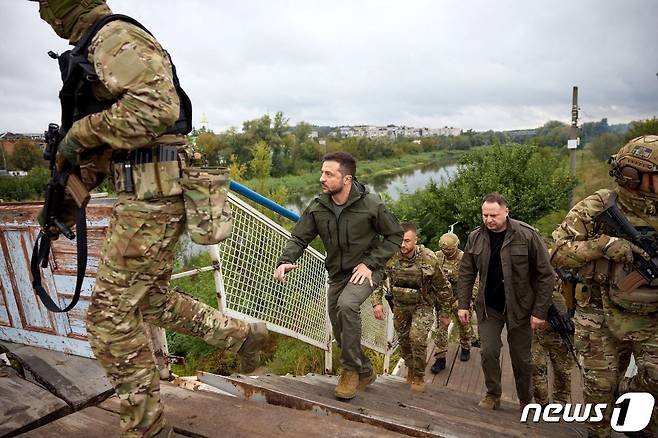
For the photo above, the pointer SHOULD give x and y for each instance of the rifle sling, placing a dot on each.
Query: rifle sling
(42, 256)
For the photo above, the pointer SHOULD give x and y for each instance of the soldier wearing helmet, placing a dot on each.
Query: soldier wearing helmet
(612, 317)
(450, 256)
(121, 99)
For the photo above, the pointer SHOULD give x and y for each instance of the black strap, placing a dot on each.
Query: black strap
(40, 256)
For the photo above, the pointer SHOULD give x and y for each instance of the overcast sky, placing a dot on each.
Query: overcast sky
(471, 64)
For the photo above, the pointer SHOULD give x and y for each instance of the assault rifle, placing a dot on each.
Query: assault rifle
(570, 280)
(616, 224)
(61, 182)
(564, 327)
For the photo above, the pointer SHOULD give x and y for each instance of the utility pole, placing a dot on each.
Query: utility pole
(572, 143)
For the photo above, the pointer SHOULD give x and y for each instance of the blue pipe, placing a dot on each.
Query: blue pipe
(262, 200)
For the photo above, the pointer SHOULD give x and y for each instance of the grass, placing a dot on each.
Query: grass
(592, 175)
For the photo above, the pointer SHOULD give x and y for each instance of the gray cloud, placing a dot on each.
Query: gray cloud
(473, 64)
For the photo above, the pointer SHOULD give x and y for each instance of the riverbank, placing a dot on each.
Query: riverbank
(367, 171)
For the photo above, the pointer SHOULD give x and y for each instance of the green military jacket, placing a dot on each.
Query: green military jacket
(527, 272)
(364, 231)
(415, 281)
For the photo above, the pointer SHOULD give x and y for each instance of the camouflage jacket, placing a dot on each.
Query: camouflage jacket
(134, 70)
(580, 245)
(364, 232)
(527, 272)
(450, 268)
(415, 281)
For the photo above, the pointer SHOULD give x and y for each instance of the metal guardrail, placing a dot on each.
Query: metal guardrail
(243, 268)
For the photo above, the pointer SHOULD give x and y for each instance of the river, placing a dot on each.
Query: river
(392, 185)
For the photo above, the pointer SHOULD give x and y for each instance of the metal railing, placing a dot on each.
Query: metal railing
(243, 268)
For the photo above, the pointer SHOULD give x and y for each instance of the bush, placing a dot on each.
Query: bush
(533, 180)
(27, 188)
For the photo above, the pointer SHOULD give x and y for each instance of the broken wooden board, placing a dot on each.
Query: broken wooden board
(25, 405)
(79, 381)
(88, 422)
(389, 404)
(202, 413)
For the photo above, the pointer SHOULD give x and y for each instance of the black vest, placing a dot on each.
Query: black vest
(78, 75)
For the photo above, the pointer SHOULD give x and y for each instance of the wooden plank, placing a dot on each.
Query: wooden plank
(390, 404)
(441, 379)
(79, 381)
(202, 413)
(24, 405)
(83, 424)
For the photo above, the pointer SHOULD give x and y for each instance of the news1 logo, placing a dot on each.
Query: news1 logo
(630, 413)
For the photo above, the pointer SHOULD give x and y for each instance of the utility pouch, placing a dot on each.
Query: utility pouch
(209, 218)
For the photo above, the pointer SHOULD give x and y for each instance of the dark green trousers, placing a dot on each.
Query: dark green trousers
(344, 301)
(519, 340)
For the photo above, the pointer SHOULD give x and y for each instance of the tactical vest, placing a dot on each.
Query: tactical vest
(642, 300)
(450, 267)
(78, 75)
(410, 279)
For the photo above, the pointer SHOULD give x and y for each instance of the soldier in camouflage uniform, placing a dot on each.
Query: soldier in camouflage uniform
(449, 256)
(414, 278)
(141, 102)
(547, 346)
(612, 315)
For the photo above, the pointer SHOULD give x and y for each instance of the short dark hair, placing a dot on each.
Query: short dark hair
(408, 226)
(345, 160)
(495, 197)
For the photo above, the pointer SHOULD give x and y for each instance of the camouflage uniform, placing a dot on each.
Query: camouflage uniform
(450, 267)
(417, 285)
(547, 346)
(609, 321)
(132, 283)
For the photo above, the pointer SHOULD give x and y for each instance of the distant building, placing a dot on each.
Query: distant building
(393, 131)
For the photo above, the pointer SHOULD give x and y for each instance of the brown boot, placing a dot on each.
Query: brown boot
(347, 385)
(490, 402)
(418, 383)
(368, 379)
(250, 350)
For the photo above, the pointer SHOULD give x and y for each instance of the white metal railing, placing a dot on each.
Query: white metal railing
(243, 268)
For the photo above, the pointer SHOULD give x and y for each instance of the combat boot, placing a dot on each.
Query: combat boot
(367, 379)
(417, 383)
(476, 343)
(439, 364)
(250, 350)
(490, 402)
(465, 354)
(347, 385)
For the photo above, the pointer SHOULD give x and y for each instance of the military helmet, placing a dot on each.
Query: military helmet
(636, 157)
(449, 240)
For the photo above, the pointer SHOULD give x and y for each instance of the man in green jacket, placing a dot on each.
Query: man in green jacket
(360, 235)
(516, 284)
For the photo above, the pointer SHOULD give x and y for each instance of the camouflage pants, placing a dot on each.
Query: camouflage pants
(467, 334)
(413, 324)
(547, 346)
(604, 337)
(132, 286)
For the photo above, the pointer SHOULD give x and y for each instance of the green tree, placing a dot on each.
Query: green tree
(534, 181)
(210, 146)
(642, 127)
(261, 165)
(236, 170)
(605, 145)
(26, 155)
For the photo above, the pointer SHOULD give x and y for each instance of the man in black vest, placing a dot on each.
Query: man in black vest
(131, 121)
